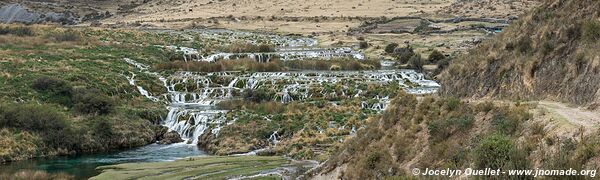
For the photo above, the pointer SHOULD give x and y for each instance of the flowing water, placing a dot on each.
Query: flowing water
(84, 166)
(191, 97)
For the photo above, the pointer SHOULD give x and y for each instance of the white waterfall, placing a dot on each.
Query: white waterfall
(290, 54)
(192, 97)
(273, 138)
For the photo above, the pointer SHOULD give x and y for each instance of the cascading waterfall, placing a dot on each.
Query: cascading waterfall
(192, 97)
(294, 86)
(290, 54)
(140, 88)
(284, 54)
(273, 138)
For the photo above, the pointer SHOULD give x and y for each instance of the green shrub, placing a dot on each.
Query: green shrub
(444, 128)
(172, 56)
(493, 152)
(423, 27)
(102, 128)
(404, 54)
(547, 47)
(363, 45)
(453, 103)
(391, 47)
(257, 95)
(31, 117)
(22, 31)
(265, 48)
(524, 45)
(372, 160)
(68, 35)
(59, 91)
(504, 124)
(590, 31)
(416, 62)
(45, 120)
(51, 84)
(92, 101)
(19, 31)
(435, 56)
(508, 120)
(441, 65)
(34, 174)
(486, 106)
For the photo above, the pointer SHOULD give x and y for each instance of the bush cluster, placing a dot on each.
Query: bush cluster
(363, 45)
(435, 56)
(257, 95)
(416, 62)
(391, 47)
(18, 31)
(68, 35)
(59, 91)
(92, 101)
(45, 120)
(404, 54)
(85, 101)
(590, 31)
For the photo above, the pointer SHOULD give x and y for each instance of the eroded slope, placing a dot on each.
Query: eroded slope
(550, 53)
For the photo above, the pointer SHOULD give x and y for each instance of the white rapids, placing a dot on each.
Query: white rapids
(284, 54)
(192, 96)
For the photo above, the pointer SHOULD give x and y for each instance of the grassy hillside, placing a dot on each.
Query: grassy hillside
(64, 91)
(440, 133)
(551, 53)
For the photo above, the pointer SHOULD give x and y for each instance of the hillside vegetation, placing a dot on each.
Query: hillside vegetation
(550, 53)
(440, 133)
(64, 91)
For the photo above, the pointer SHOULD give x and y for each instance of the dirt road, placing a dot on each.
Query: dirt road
(575, 116)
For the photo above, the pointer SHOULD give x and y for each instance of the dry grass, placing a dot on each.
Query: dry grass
(225, 65)
(264, 107)
(37, 175)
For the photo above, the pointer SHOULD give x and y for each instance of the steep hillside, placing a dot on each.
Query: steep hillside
(551, 53)
(440, 133)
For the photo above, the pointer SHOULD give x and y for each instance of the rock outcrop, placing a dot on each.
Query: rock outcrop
(170, 138)
(16, 13)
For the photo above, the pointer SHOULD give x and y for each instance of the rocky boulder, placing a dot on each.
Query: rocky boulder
(170, 138)
(159, 132)
(206, 139)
